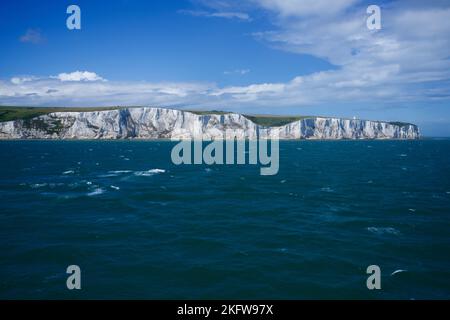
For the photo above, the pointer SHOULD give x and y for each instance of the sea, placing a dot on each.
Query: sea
(140, 227)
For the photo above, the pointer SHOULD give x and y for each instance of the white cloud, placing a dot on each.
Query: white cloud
(306, 7)
(264, 88)
(33, 36)
(405, 62)
(79, 76)
(52, 91)
(237, 71)
(225, 14)
(407, 59)
(20, 80)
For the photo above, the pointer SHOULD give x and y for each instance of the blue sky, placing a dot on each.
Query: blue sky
(252, 56)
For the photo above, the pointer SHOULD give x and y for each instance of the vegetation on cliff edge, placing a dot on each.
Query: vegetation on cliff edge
(9, 113)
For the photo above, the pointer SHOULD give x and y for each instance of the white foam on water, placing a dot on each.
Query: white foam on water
(96, 192)
(38, 185)
(388, 230)
(283, 181)
(115, 188)
(149, 173)
(412, 210)
(68, 172)
(398, 271)
(120, 171)
(109, 175)
(403, 155)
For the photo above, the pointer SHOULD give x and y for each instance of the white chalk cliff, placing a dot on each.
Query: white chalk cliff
(160, 123)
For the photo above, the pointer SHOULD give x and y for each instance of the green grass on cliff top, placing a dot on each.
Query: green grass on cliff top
(9, 113)
(15, 113)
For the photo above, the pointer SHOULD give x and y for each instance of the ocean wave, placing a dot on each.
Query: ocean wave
(387, 230)
(119, 171)
(68, 196)
(38, 185)
(398, 271)
(150, 172)
(56, 184)
(50, 185)
(73, 185)
(96, 192)
(109, 175)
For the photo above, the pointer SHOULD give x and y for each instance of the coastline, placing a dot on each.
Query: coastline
(160, 123)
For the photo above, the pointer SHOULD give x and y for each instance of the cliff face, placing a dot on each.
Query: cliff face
(159, 123)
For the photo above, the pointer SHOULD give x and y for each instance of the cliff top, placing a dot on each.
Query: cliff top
(10, 113)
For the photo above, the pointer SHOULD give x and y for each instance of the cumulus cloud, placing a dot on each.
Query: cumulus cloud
(33, 36)
(79, 76)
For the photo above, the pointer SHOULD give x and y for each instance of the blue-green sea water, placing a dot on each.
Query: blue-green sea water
(141, 227)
